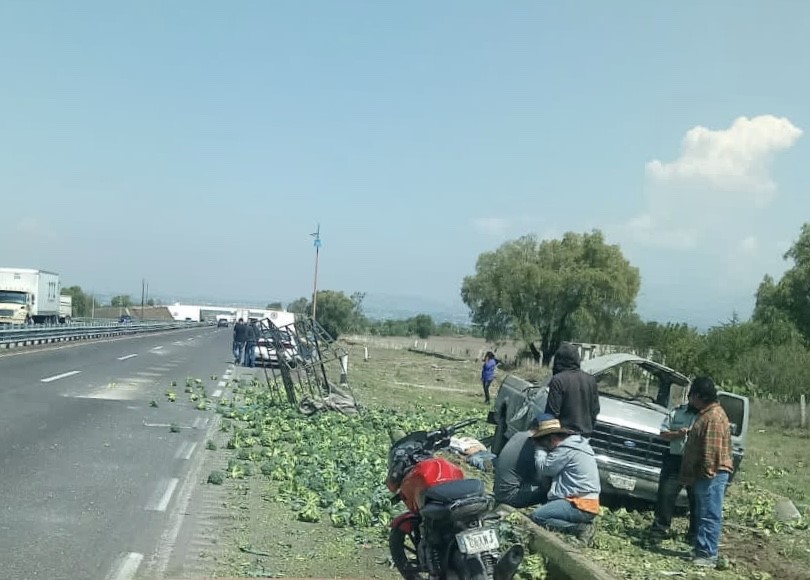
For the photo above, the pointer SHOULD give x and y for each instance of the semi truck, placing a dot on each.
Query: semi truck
(29, 296)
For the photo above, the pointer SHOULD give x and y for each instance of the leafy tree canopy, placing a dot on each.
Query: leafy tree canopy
(123, 300)
(785, 304)
(533, 288)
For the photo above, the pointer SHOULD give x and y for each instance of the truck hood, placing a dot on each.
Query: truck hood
(637, 415)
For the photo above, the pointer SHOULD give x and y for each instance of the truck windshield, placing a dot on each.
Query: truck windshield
(12, 297)
(631, 383)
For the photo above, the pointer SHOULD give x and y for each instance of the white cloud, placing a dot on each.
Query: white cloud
(34, 229)
(492, 226)
(749, 245)
(714, 190)
(647, 228)
(736, 159)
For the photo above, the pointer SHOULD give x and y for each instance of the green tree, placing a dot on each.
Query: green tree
(336, 312)
(82, 303)
(300, 306)
(788, 301)
(123, 300)
(275, 306)
(542, 289)
(422, 325)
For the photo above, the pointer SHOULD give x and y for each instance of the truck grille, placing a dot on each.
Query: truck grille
(6, 312)
(628, 444)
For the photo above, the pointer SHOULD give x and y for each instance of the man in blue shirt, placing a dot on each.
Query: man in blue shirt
(675, 429)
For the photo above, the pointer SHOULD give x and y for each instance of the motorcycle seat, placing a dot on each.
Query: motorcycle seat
(446, 493)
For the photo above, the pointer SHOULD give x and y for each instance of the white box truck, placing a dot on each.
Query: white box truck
(29, 296)
(65, 308)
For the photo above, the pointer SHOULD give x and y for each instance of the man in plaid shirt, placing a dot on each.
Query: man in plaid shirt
(707, 466)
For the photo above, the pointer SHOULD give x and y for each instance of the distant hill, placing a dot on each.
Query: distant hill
(385, 306)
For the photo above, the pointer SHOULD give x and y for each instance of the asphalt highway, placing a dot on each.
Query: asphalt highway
(91, 475)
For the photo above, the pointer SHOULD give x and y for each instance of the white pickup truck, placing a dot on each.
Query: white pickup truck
(635, 395)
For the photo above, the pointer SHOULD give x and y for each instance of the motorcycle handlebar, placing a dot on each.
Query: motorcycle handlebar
(447, 432)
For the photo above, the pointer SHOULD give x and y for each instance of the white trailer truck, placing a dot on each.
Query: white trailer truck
(29, 296)
(65, 308)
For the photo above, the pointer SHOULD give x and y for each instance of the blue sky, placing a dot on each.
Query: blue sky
(197, 144)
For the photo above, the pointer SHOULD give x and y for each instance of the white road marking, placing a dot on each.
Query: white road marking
(62, 376)
(199, 422)
(217, 393)
(127, 356)
(127, 567)
(156, 347)
(221, 384)
(163, 502)
(186, 450)
(177, 343)
(146, 374)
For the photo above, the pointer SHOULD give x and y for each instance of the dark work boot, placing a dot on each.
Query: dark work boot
(585, 533)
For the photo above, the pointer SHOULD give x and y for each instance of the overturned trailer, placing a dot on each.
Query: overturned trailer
(301, 364)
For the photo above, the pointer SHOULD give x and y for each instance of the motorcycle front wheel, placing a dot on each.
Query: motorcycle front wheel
(403, 548)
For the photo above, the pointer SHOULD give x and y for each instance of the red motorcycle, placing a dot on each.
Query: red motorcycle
(449, 530)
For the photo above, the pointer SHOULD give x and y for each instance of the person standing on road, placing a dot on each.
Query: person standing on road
(573, 396)
(707, 465)
(251, 341)
(674, 429)
(239, 337)
(516, 481)
(568, 459)
(488, 373)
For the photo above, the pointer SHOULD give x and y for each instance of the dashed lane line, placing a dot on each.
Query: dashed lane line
(186, 450)
(126, 567)
(57, 377)
(160, 502)
(128, 356)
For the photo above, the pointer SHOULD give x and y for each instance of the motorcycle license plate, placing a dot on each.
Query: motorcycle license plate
(477, 541)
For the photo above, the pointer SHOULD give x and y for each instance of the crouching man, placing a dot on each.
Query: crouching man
(516, 481)
(567, 458)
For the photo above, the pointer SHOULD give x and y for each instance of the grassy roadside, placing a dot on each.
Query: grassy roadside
(265, 517)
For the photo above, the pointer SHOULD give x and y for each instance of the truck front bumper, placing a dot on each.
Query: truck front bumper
(621, 478)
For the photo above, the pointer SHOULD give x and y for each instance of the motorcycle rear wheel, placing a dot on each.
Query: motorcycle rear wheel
(468, 567)
(403, 548)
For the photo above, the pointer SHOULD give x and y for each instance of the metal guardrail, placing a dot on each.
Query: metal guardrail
(13, 336)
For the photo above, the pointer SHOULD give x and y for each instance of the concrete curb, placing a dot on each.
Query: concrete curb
(559, 553)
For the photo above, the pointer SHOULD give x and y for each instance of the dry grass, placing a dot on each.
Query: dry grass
(766, 413)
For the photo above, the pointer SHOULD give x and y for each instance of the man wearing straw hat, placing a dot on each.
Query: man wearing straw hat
(568, 459)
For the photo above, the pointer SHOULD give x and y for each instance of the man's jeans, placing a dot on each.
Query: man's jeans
(668, 490)
(709, 494)
(526, 495)
(561, 515)
(238, 348)
(250, 354)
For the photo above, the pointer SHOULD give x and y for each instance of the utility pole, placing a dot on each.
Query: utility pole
(317, 236)
(143, 295)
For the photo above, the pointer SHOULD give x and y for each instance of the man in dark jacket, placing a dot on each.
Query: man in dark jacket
(239, 337)
(252, 334)
(573, 396)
